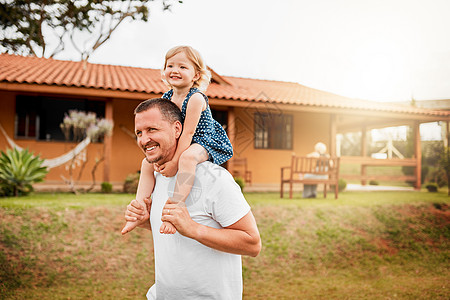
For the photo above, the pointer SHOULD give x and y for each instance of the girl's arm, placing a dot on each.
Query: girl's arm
(146, 181)
(144, 191)
(194, 110)
(145, 186)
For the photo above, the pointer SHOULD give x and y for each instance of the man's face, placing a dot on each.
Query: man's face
(156, 136)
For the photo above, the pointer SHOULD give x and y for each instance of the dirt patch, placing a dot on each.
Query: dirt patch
(385, 245)
(442, 212)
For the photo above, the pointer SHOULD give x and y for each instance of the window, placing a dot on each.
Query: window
(273, 131)
(220, 116)
(39, 117)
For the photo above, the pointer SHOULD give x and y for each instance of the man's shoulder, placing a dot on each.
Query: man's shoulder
(214, 171)
(210, 167)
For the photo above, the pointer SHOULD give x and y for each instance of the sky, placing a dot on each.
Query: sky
(380, 50)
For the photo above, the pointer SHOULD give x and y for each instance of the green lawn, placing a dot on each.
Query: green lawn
(365, 245)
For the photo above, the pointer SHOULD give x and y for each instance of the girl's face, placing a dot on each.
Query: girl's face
(180, 71)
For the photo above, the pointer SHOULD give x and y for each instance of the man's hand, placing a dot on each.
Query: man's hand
(136, 212)
(178, 215)
(168, 169)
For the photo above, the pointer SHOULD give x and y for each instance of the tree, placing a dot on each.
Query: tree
(409, 152)
(76, 126)
(444, 163)
(28, 26)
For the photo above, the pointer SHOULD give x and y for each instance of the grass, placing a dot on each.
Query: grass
(366, 245)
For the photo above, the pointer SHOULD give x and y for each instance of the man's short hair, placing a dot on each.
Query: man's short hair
(168, 109)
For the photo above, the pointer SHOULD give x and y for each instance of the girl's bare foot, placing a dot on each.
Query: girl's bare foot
(167, 228)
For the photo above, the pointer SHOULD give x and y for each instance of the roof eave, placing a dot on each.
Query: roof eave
(75, 91)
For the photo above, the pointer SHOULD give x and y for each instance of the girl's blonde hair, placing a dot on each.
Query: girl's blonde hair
(196, 59)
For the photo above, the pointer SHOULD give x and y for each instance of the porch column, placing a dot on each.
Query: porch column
(231, 126)
(364, 153)
(333, 133)
(447, 134)
(418, 154)
(338, 145)
(108, 142)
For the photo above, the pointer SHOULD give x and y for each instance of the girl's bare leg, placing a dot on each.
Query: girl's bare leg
(187, 164)
(144, 190)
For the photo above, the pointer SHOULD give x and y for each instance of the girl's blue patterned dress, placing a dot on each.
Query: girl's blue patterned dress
(209, 133)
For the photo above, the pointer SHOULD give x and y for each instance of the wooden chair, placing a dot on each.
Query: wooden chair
(240, 169)
(301, 165)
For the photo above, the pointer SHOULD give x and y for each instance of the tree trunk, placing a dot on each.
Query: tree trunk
(448, 183)
(97, 163)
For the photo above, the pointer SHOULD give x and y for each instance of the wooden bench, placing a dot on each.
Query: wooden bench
(240, 169)
(300, 165)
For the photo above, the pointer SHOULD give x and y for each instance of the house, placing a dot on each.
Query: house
(266, 120)
(441, 104)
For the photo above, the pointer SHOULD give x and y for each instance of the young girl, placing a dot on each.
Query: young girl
(202, 139)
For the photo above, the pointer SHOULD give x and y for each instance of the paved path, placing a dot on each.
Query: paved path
(350, 187)
(358, 187)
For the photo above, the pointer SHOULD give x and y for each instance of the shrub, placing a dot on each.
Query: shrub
(373, 182)
(106, 187)
(342, 184)
(131, 183)
(438, 176)
(240, 181)
(431, 187)
(5, 189)
(18, 171)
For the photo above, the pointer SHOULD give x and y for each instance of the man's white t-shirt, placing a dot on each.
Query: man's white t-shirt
(184, 268)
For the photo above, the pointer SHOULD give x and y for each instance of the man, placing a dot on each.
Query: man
(310, 190)
(214, 227)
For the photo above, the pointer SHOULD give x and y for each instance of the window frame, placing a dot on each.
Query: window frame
(269, 133)
(43, 109)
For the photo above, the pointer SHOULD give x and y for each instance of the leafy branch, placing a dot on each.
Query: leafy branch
(29, 27)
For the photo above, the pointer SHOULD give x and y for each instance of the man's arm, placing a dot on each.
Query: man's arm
(240, 238)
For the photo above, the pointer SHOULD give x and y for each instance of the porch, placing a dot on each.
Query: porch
(351, 187)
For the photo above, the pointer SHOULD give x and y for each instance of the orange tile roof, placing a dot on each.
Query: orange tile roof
(42, 71)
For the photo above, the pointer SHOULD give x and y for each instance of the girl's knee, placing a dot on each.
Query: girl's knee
(195, 153)
(187, 156)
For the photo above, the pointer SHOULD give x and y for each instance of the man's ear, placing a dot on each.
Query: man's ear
(178, 129)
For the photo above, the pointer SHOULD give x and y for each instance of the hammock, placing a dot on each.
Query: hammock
(57, 161)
